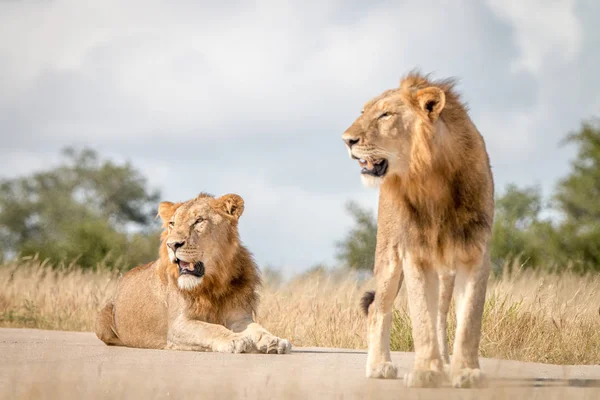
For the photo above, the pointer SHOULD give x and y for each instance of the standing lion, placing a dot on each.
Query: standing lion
(201, 292)
(436, 207)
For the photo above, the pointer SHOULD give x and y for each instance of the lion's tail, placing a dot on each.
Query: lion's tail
(367, 300)
(105, 326)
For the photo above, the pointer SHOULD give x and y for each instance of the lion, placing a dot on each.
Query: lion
(201, 292)
(436, 207)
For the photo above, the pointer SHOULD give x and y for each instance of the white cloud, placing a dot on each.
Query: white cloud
(544, 29)
(253, 97)
(191, 73)
(509, 137)
(23, 162)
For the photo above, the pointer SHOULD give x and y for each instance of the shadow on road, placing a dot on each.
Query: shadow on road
(545, 382)
(328, 351)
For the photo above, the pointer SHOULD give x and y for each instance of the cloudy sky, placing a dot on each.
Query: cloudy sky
(252, 97)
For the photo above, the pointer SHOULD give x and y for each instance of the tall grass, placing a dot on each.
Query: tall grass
(528, 316)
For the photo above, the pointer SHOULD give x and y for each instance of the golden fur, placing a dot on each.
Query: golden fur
(436, 206)
(201, 292)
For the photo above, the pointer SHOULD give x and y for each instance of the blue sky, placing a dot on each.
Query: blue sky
(253, 98)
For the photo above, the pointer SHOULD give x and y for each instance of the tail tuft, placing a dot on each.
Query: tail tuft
(366, 301)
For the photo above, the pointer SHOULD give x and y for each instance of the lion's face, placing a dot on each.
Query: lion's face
(382, 137)
(201, 236)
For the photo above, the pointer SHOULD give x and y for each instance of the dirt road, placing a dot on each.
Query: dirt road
(72, 365)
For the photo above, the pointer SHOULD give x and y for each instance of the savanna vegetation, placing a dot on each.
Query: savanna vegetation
(67, 233)
(529, 315)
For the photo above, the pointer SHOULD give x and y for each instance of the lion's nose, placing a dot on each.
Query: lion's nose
(175, 245)
(350, 142)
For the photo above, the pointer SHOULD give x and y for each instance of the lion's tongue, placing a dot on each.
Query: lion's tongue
(185, 265)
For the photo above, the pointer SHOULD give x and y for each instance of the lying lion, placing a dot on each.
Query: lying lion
(201, 292)
(436, 208)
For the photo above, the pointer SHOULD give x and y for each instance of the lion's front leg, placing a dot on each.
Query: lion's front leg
(263, 340)
(422, 286)
(388, 274)
(186, 334)
(446, 288)
(471, 284)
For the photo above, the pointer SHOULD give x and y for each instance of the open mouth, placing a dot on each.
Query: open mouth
(376, 168)
(196, 269)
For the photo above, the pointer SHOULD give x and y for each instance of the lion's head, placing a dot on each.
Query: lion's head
(399, 131)
(201, 238)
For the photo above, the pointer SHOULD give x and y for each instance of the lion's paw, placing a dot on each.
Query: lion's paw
(273, 345)
(236, 344)
(385, 370)
(469, 378)
(424, 379)
(447, 371)
(283, 346)
(269, 344)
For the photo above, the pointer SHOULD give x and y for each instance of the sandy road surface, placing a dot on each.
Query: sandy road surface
(72, 365)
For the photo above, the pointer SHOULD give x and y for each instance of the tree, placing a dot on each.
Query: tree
(519, 231)
(578, 199)
(86, 209)
(357, 249)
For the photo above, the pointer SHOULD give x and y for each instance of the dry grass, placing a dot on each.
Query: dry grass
(530, 317)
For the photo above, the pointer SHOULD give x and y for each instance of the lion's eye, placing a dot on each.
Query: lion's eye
(385, 114)
(172, 224)
(200, 219)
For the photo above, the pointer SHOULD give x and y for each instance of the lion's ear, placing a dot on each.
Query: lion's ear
(431, 100)
(230, 204)
(166, 209)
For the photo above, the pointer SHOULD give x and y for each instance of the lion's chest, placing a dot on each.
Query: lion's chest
(446, 236)
(202, 309)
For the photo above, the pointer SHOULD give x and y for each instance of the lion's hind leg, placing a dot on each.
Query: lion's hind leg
(105, 329)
